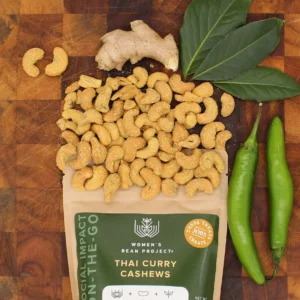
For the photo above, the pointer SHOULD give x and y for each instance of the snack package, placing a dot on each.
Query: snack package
(130, 249)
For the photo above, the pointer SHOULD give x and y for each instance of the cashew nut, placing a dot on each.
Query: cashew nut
(208, 134)
(123, 81)
(190, 120)
(59, 64)
(212, 174)
(99, 151)
(152, 96)
(87, 136)
(188, 161)
(165, 91)
(118, 142)
(149, 133)
(91, 116)
(126, 93)
(141, 75)
(143, 107)
(113, 130)
(64, 124)
(156, 76)
(169, 187)
(204, 90)
(115, 113)
(102, 133)
(166, 124)
(191, 142)
(70, 100)
(128, 123)
(211, 112)
(129, 104)
(131, 146)
(112, 82)
(103, 98)
(111, 185)
(70, 137)
(170, 169)
(29, 59)
(182, 109)
(143, 120)
(136, 166)
(153, 187)
(184, 176)
(179, 86)
(150, 150)
(179, 133)
(228, 105)
(84, 156)
(165, 143)
(201, 185)
(73, 114)
(124, 173)
(79, 178)
(188, 97)
(132, 79)
(87, 81)
(155, 165)
(221, 139)
(97, 181)
(64, 155)
(122, 131)
(165, 156)
(210, 159)
(80, 130)
(73, 87)
(113, 159)
(158, 110)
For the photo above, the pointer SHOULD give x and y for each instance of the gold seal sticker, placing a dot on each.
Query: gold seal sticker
(199, 233)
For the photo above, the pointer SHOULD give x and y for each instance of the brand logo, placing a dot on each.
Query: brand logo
(146, 228)
(116, 293)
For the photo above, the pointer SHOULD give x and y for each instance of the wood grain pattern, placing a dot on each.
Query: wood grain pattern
(33, 260)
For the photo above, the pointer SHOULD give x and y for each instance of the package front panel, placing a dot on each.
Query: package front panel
(146, 256)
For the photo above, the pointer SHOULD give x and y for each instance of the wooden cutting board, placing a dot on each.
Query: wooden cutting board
(33, 263)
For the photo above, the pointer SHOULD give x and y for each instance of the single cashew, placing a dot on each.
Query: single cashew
(153, 187)
(182, 109)
(136, 166)
(131, 146)
(132, 79)
(115, 113)
(141, 75)
(97, 181)
(128, 123)
(118, 142)
(84, 156)
(204, 90)
(210, 159)
(73, 87)
(188, 97)
(150, 150)
(158, 110)
(221, 139)
(129, 104)
(190, 121)
(191, 142)
(228, 105)
(169, 187)
(99, 151)
(79, 94)
(179, 133)
(208, 134)
(64, 155)
(111, 185)
(184, 176)
(126, 93)
(113, 130)
(81, 129)
(64, 124)
(73, 114)
(155, 165)
(112, 82)
(79, 178)
(156, 76)
(103, 98)
(165, 143)
(211, 111)
(70, 137)
(91, 116)
(122, 131)
(211, 174)
(201, 185)
(143, 107)
(170, 169)
(123, 81)
(149, 133)
(188, 161)
(143, 120)
(59, 64)
(152, 96)
(124, 173)
(102, 133)
(87, 81)
(87, 136)
(86, 98)
(165, 91)
(165, 156)
(29, 59)
(70, 100)
(179, 86)
(167, 123)
(113, 159)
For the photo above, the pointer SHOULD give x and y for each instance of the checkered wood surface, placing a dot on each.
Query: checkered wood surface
(33, 262)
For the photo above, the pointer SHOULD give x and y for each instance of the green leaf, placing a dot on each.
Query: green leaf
(261, 84)
(241, 50)
(205, 23)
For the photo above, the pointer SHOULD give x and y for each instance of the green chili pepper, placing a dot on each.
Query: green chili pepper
(240, 203)
(281, 192)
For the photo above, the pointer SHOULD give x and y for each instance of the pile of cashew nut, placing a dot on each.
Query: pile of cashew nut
(125, 133)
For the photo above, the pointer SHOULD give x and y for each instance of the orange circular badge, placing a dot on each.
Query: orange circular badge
(199, 233)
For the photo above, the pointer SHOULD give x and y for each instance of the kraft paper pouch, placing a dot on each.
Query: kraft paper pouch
(130, 249)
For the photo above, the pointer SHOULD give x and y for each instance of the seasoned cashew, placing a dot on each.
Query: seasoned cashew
(73, 114)
(97, 181)
(170, 169)
(204, 90)
(211, 111)
(79, 178)
(158, 110)
(64, 155)
(111, 185)
(191, 142)
(122, 131)
(128, 123)
(210, 159)
(91, 116)
(143, 107)
(165, 91)
(99, 151)
(84, 156)
(153, 186)
(165, 143)
(184, 176)
(188, 161)
(115, 113)
(64, 124)
(73, 87)
(208, 134)
(87, 81)
(132, 79)
(124, 173)
(143, 120)
(200, 185)
(86, 98)
(188, 97)
(228, 105)
(156, 76)
(103, 98)
(152, 96)
(165, 156)
(81, 129)
(118, 142)
(211, 174)
(59, 64)
(150, 150)
(155, 165)
(129, 104)
(142, 76)
(123, 81)
(29, 59)
(113, 130)
(112, 82)
(170, 187)
(182, 109)
(87, 136)
(136, 166)
(131, 146)
(70, 100)
(126, 93)
(190, 121)
(70, 137)
(221, 139)
(113, 159)
(179, 86)
(167, 123)
(179, 133)
(149, 133)
(102, 133)
(78, 93)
